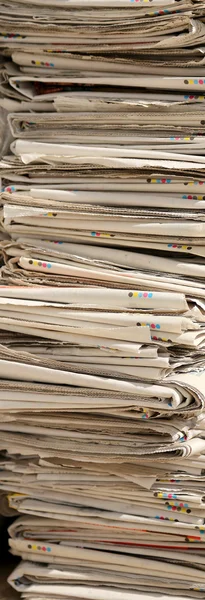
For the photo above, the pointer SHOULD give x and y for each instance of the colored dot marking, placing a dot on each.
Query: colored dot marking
(39, 63)
(178, 246)
(140, 294)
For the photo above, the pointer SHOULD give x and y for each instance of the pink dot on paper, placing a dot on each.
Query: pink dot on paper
(97, 233)
(43, 548)
(43, 264)
(153, 326)
(201, 81)
(145, 294)
(169, 495)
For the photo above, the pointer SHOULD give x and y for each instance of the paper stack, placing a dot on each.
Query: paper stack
(102, 297)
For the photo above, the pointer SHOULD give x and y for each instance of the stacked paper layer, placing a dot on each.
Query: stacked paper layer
(102, 297)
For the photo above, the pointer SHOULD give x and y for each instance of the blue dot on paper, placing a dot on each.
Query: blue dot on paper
(150, 295)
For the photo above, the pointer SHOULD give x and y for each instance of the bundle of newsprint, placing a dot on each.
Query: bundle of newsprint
(102, 297)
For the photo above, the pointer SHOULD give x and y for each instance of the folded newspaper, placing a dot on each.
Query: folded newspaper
(102, 297)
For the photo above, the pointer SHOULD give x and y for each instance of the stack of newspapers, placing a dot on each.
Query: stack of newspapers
(102, 297)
